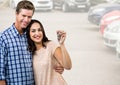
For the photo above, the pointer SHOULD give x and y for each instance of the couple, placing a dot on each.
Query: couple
(27, 57)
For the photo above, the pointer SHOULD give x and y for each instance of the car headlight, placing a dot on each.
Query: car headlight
(115, 29)
(118, 44)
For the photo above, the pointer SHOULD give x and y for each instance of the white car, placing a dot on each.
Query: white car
(113, 1)
(1, 1)
(39, 4)
(112, 34)
(118, 49)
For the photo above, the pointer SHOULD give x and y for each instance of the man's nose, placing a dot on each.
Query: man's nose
(26, 19)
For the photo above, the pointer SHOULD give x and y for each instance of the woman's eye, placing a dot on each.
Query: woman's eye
(39, 29)
(33, 31)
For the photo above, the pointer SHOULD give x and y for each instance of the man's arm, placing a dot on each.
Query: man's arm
(2, 63)
(59, 69)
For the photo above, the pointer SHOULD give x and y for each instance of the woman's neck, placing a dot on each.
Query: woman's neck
(38, 46)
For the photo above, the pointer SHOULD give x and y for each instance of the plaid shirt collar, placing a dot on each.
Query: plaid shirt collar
(15, 31)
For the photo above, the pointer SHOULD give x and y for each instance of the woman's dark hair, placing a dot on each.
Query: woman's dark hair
(31, 44)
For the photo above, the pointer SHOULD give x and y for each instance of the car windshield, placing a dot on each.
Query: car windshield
(117, 1)
(114, 1)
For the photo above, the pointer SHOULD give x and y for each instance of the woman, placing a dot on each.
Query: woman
(46, 55)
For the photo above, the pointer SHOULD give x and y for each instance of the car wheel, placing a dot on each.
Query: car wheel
(118, 55)
(12, 4)
(87, 8)
(65, 8)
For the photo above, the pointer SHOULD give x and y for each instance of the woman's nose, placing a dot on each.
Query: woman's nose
(36, 32)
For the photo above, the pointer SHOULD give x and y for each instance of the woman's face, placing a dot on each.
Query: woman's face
(36, 33)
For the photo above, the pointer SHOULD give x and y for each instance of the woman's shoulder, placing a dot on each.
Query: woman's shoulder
(52, 43)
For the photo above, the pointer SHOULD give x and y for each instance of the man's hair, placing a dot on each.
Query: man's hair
(24, 4)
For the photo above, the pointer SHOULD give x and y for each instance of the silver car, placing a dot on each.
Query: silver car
(112, 34)
(39, 4)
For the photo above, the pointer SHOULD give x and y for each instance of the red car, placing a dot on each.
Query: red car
(108, 18)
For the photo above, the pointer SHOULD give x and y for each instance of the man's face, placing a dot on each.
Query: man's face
(23, 18)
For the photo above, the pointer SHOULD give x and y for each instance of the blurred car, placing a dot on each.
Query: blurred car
(114, 1)
(67, 5)
(97, 12)
(1, 1)
(39, 4)
(112, 34)
(108, 18)
(118, 49)
(96, 2)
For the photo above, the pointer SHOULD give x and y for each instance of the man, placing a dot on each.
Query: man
(15, 59)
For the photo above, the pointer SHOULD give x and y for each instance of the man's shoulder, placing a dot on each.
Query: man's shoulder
(5, 35)
(5, 32)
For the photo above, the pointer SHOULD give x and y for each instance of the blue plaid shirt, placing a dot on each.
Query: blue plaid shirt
(15, 60)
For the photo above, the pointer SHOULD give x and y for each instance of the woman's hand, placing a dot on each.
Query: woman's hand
(61, 35)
